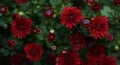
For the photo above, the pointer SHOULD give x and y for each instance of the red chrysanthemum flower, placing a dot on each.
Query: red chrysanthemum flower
(77, 40)
(51, 37)
(49, 12)
(117, 2)
(68, 58)
(15, 16)
(3, 9)
(88, 62)
(90, 2)
(51, 58)
(71, 16)
(108, 60)
(21, 1)
(17, 59)
(33, 51)
(96, 53)
(11, 43)
(96, 7)
(99, 27)
(21, 27)
(110, 37)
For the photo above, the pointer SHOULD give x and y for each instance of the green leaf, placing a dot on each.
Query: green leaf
(118, 62)
(1, 22)
(55, 2)
(37, 63)
(107, 11)
(0, 14)
(41, 2)
(24, 7)
(40, 37)
(13, 53)
(48, 44)
(5, 52)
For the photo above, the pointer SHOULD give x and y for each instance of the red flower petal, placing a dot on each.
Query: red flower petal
(96, 53)
(108, 60)
(77, 40)
(21, 1)
(17, 59)
(68, 58)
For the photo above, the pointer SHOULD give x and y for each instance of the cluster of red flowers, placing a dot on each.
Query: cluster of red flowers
(94, 57)
(99, 57)
(67, 57)
(97, 27)
(107, 60)
(70, 17)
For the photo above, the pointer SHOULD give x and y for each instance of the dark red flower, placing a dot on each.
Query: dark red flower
(99, 27)
(21, 27)
(108, 60)
(11, 43)
(51, 37)
(71, 16)
(110, 37)
(88, 62)
(33, 51)
(51, 58)
(68, 58)
(49, 12)
(36, 30)
(85, 22)
(21, 1)
(17, 59)
(3, 9)
(15, 16)
(90, 2)
(96, 7)
(96, 53)
(77, 40)
(117, 2)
